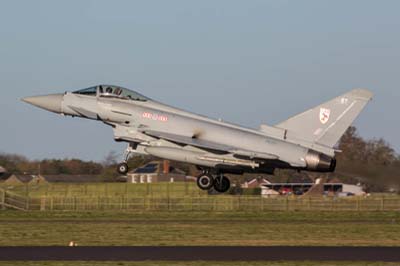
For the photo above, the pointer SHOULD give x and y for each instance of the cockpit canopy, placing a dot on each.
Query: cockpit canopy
(112, 91)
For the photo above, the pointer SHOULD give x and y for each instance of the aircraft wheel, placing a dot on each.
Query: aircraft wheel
(222, 185)
(123, 168)
(205, 182)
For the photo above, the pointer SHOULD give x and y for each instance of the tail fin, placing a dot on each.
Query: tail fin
(326, 123)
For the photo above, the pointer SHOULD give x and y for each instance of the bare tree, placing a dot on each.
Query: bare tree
(110, 159)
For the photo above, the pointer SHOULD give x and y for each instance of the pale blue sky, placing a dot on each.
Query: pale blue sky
(249, 62)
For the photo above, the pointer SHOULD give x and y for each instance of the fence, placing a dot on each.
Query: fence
(212, 203)
(184, 196)
(177, 189)
(13, 201)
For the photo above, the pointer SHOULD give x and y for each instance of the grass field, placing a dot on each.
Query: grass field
(180, 196)
(194, 229)
(305, 263)
(163, 189)
(252, 225)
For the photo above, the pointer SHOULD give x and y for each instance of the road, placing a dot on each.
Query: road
(368, 254)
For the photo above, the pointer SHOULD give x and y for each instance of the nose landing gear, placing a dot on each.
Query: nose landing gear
(123, 167)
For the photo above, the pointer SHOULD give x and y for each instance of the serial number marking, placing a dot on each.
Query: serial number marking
(156, 117)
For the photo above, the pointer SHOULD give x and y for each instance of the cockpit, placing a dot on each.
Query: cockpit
(112, 92)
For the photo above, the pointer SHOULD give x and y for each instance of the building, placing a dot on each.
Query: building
(255, 182)
(16, 179)
(2, 170)
(355, 190)
(311, 189)
(157, 171)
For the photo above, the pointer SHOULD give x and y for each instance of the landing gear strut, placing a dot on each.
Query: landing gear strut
(220, 183)
(123, 167)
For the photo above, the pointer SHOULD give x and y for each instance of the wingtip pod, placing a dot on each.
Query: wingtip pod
(362, 94)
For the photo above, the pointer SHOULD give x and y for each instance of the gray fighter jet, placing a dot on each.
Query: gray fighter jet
(303, 142)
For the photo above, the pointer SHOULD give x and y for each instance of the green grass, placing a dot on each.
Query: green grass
(200, 263)
(179, 196)
(163, 189)
(188, 229)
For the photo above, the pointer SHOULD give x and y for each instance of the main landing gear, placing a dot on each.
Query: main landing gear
(220, 183)
(123, 167)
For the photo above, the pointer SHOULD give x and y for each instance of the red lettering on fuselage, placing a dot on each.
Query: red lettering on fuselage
(155, 117)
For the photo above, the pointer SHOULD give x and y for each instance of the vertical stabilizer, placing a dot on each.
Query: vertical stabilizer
(326, 123)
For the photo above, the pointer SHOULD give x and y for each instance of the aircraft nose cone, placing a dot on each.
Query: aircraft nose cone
(51, 102)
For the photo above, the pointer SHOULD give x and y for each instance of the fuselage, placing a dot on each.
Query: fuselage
(303, 142)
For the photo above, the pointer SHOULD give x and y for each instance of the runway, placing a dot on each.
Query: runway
(367, 254)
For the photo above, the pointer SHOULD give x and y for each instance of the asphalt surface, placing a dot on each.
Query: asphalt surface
(367, 254)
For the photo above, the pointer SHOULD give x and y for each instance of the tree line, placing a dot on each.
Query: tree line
(18, 164)
(372, 162)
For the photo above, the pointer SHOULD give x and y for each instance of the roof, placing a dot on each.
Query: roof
(300, 184)
(2, 170)
(73, 178)
(289, 184)
(150, 168)
(258, 180)
(21, 178)
(254, 182)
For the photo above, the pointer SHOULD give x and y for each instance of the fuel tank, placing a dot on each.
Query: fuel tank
(180, 155)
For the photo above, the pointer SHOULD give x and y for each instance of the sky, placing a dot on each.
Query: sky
(249, 62)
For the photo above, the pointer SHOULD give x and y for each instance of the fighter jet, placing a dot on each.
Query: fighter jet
(304, 142)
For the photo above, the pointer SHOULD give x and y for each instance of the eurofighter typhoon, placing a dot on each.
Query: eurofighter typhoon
(303, 142)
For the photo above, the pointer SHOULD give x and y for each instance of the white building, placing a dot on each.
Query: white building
(353, 189)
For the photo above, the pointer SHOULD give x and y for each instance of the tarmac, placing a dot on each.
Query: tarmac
(280, 253)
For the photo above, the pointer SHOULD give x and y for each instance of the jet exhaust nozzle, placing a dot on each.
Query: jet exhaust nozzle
(320, 162)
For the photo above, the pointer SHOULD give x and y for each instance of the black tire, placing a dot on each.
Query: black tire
(223, 185)
(205, 182)
(123, 168)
